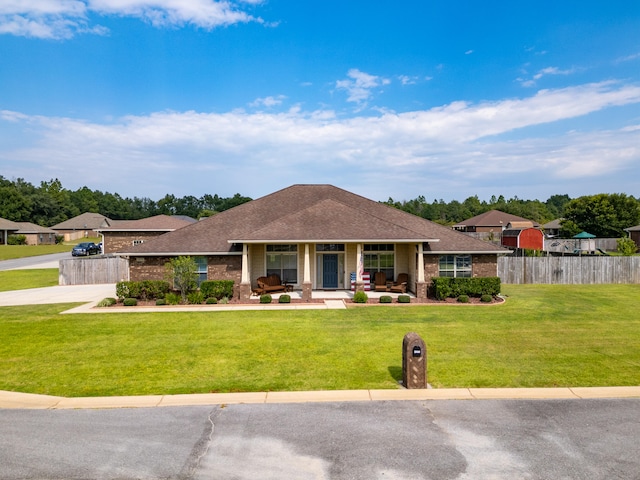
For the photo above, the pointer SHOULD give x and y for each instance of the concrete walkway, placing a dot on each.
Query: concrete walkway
(33, 401)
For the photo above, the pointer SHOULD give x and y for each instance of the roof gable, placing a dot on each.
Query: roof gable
(493, 218)
(84, 221)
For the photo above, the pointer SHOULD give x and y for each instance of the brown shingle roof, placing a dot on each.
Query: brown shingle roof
(493, 218)
(8, 225)
(84, 221)
(156, 223)
(320, 213)
(27, 227)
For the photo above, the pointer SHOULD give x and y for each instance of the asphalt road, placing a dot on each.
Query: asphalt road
(398, 440)
(39, 261)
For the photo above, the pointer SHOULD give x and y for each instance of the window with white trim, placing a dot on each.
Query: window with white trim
(379, 257)
(455, 266)
(201, 269)
(282, 260)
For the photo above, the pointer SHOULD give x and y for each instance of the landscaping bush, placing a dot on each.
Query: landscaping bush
(172, 298)
(404, 299)
(16, 240)
(486, 298)
(195, 298)
(360, 297)
(266, 298)
(224, 300)
(445, 287)
(144, 290)
(217, 288)
(386, 299)
(211, 301)
(463, 299)
(284, 299)
(161, 301)
(107, 302)
(130, 302)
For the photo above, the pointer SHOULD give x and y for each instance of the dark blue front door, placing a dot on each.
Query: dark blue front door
(330, 270)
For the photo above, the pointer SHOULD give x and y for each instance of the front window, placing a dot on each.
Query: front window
(201, 269)
(455, 266)
(379, 257)
(282, 260)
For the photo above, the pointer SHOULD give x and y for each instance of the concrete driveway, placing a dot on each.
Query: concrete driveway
(58, 294)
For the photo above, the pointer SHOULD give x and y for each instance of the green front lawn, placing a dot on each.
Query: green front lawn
(28, 278)
(544, 336)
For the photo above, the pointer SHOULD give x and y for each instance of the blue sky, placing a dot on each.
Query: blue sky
(445, 99)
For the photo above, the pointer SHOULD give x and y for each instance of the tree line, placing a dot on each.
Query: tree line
(604, 215)
(50, 203)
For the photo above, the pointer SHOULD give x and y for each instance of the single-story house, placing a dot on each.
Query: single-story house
(552, 229)
(493, 221)
(7, 227)
(81, 226)
(121, 234)
(316, 237)
(634, 234)
(36, 234)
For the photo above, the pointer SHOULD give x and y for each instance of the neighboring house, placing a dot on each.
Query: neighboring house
(493, 221)
(552, 229)
(81, 226)
(314, 237)
(7, 227)
(634, 234)
(36, 234)
(518, 235)
(123, 234)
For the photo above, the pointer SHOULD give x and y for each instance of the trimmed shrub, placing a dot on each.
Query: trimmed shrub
(486, 298)
(404, 299)
(266, 298)
(284, 299)
(360, 297)
(17, 240)
(224, 300)
(386, 299)
(144, 290)
(160, 302)
(107, 302)
(445, 287)
(211, 301)
(195, 298)
(463, 299)
(130, 302)
(217, 288)
(172, 298)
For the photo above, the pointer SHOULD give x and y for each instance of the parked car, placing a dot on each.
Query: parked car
(85, 248)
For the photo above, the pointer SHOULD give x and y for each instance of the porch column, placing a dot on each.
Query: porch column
(359, 286)
(245, 281)
(421, 285)
(306, 282)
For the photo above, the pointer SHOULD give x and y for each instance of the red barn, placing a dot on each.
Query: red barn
(529, 238)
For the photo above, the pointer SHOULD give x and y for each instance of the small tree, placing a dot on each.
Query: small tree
(181, 271)
(626, 246)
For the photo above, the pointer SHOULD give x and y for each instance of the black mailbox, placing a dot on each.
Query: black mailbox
(414, 361)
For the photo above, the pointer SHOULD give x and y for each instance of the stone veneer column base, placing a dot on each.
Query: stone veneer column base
(421, 289)
(306, 292)
(244, 291)
(358, 287)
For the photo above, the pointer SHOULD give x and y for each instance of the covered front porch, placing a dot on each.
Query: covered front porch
(322, 270)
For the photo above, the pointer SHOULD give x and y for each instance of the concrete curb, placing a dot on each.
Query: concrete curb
(15, 400)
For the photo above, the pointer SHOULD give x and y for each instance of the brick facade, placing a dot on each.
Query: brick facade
(116, 241)
(219, 267)
(481, 266)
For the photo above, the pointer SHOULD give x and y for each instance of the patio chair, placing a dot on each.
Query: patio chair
(380, 281)
(401, 284)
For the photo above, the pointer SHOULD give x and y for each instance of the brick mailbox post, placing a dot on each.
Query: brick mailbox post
(414, 361)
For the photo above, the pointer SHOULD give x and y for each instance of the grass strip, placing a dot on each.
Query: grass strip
(28, 278)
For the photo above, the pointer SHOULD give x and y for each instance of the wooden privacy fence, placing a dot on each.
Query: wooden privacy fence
(569, 270)
(93, 270)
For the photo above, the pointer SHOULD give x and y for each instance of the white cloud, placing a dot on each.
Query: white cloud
(408, 80)
(458, 144)
(268, 101)
(359, 85)
(60, 19)
(531, 82)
